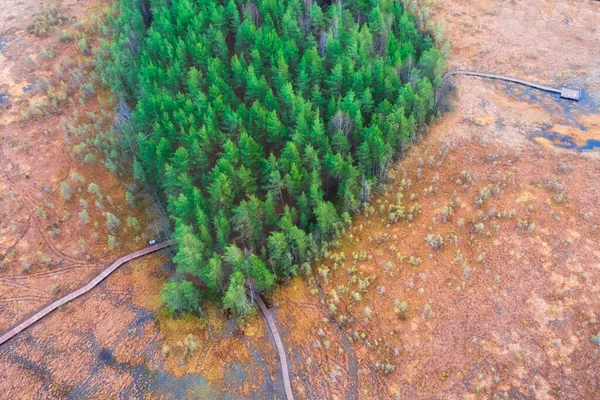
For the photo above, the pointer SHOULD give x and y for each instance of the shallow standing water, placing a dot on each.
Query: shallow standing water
(568, 111)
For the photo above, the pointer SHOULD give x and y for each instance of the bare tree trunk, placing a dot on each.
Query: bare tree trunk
(146, 11)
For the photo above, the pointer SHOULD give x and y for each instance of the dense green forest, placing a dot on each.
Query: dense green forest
(265, 125)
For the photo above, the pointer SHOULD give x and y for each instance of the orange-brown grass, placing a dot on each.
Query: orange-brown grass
(511, 315)
(513, 312)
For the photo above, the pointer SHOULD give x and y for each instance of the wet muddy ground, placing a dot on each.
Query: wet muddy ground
(109, 343)
(507, 307)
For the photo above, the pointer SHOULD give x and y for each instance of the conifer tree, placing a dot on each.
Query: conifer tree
(263, 126)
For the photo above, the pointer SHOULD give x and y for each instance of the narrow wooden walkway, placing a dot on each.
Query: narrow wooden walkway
(566, 93)
(99, 278)
(278, 343)
(94, 282)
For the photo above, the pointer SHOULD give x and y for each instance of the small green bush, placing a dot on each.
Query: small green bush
(132, 222)
(49, 17)
(84, 216)
(112, 242)
(479, 228)
(435, 241)
(66, 35)
(130, 199)
(94, 189)
(66, 191)
(83, 46)
(112, 222)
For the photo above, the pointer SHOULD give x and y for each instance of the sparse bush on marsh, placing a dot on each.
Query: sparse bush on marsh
(77, 179)
(483, 194)
(55, 288)
(40, 212)
(37, 110)
(94, 189)
(66, 191)
(465, 179)
(48, 52)
(414, 261)
(435, 241)
(26, 267)
(65, 35)
(45, 20)
(400, 308)
(112, 222)
(112, 242)
(563, 167)
(84, 216)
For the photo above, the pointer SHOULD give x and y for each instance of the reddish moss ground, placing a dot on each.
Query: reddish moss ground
(514, 313)
(508, 310)
(114, 341)
(512, 316)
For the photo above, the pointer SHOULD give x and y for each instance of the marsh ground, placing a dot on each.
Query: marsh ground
(505, 308)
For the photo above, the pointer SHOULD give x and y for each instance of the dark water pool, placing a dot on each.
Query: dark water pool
(567, 109)
(565, 142)
(105, 355)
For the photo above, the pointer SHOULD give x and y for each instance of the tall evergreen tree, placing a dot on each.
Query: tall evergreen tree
(263, 125)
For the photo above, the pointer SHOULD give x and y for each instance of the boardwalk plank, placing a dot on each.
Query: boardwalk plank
(279, 344)
(565, 93)
(81, 291)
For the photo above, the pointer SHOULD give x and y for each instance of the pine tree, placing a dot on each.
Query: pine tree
(262, 277)
(189, 250)
(180, 297)
(235, 299)
(235, 258)
(213, 274)
(279, 254)
(263, 126)
(248, 220)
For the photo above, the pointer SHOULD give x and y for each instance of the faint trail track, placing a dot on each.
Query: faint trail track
(100, 277)
(278, 343)
(94, 282)
(352, 385)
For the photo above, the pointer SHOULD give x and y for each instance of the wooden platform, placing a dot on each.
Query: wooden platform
(571, 94)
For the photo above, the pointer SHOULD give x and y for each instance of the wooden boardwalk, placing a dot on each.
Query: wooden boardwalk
(278, 343)
(565, 93)
(113, 267)
(71, 296)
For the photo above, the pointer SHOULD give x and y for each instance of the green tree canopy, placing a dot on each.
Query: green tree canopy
(263, 124)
